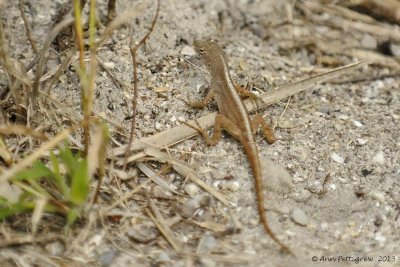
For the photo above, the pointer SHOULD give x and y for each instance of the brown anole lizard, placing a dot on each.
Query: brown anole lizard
(234, 118)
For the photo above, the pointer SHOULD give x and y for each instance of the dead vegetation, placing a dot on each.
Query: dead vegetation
(133, 195)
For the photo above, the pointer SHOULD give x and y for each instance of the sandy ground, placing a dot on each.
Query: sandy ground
(344, 132)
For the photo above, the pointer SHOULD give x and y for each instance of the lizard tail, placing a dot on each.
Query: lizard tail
(256, 168)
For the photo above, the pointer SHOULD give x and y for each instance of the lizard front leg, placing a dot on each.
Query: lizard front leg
(221, 122)
(204, 102)
(258, 121)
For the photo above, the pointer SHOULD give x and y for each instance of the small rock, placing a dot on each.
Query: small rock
(378, 196)
(233, 186)
(109, 65)
(335, 157)
(172, 119)
(380, 238)
(357, 123)
(369, 42)
(206, 244)
(55, 248)
(302, 195)
(191, 189)
(188, 51)
(158, 125)
(379, 158)
(190, 207)
(299, 216)
(163, 257)
(106, 258)
(143, 233)
(276, 177)
(361, 141)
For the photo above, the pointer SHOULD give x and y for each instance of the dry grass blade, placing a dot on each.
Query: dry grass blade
(163, 227)
(27, 27)
(8, 173)
(4, 153)
(188, 172)
(96, 155)
(152, 175)
(67, 21)
(182, 132)
(118, 21)
(19, 239)
(40, 205)
(21, 130)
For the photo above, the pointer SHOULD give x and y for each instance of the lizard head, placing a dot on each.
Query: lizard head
(210, 53)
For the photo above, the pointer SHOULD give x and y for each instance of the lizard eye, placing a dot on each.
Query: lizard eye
(201, 50)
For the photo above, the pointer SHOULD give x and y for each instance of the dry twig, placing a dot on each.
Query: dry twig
(133, 50)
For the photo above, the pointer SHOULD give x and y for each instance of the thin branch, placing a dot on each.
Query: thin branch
(27, 27)
(135, 81)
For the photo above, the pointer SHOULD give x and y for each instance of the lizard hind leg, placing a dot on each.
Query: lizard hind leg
(221, 122)
(268, 133)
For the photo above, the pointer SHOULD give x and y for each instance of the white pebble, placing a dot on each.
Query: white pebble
(299, 216)
(191, 189)
(361, 141)
(380, 238)
(335, 157)
(378, 196)
(173, 119)
(234, 186)
(357, 123)
(188, 51)
(109, 65)
(379, 158)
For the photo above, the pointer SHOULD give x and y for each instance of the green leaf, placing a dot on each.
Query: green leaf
(60, 181)
(72, 215)
(68, 160)
(80, 183)
(37, 171)
(8, 209)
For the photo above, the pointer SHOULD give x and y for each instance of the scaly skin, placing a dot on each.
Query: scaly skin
(234, 118)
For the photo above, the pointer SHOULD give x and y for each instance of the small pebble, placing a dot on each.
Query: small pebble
(106, 258)
(158, 125)
(378, 196)
(163, 257)
(380, 238)
(233, 186)
(335, 157)
(302, 195)
(191, 189)
(369, 42)
(55, 248)
(207, 243)
(173, 119)
(357, 123)
(109, 65)
(276, 177)
(343, 117)
(188, 51)
(379, 158)
(299, 216)
(361, 141)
